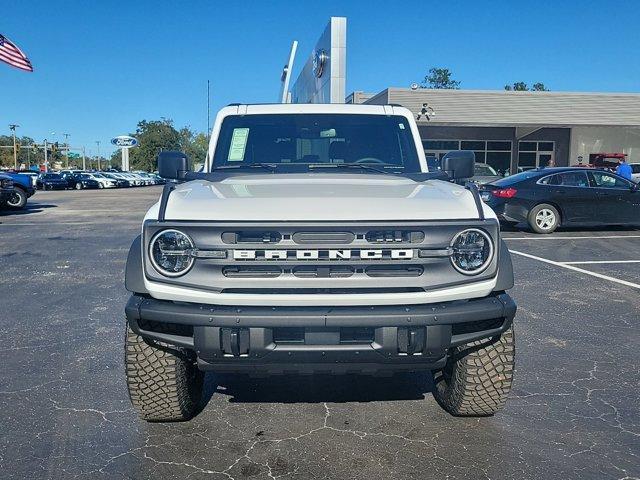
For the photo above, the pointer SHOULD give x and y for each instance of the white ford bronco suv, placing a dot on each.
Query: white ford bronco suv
(315, 240)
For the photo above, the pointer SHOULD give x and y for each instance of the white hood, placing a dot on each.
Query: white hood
(319, 197)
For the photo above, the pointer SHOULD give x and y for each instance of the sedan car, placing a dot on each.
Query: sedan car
(546, 198)
(120, 182)
(103, 182)
(51, 181)
(81, 181)
(484, 174)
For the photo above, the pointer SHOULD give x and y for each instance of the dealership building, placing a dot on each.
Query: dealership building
(508, 130)
(511, 130)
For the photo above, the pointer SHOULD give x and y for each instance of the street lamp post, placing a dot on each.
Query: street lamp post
(66, 157)
(13, 127)
(98, 144)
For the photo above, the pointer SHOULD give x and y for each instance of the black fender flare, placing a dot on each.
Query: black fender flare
(505, 269)
(134, 273)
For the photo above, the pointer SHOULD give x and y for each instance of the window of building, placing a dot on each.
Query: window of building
(494, 153)
(535, 154)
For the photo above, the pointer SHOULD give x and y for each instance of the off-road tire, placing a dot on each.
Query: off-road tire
(477, 377)
(164, 384)
(533, 213)
(18, 199)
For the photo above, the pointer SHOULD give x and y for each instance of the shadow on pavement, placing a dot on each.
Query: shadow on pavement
(29, 208)
(318, 388)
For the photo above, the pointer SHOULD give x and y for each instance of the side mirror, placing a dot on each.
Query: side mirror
(173, 165)
(459, 164)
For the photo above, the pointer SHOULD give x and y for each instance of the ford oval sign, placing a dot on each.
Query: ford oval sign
(124, 141)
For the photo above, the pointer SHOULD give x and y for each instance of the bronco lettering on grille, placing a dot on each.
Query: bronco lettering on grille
(328, 254)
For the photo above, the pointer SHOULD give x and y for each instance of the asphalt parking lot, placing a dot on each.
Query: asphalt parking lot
(574, 411)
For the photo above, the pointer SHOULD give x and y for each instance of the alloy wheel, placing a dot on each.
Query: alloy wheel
(546, 219)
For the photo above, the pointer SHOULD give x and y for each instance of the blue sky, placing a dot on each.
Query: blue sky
(102, 66)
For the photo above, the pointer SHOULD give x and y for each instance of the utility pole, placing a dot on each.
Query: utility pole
(13, 127)
(98, 144)
(46, 156)
(66, 157)
(84, 159)
(208, 110)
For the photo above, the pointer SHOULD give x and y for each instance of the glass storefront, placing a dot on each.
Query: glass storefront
(496, 153)
(535, 154)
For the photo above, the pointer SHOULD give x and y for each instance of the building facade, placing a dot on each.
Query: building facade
(513, 131)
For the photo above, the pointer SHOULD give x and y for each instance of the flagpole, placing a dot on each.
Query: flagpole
(13, 127)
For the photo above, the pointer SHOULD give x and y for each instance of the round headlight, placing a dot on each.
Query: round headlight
(472, 251)
(170, 253)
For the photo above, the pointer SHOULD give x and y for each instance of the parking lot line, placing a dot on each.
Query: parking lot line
(576, 269)
(594, 262)
(570, 238)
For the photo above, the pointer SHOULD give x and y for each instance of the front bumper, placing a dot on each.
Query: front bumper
(272, 340)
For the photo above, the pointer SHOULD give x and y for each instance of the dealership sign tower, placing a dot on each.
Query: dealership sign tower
(124, 142)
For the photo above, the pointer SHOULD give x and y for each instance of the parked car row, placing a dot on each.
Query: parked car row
(79, 180)
(17, 187)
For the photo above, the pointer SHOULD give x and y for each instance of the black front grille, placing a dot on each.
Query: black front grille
(252, 272)
(313, 291)
(394, 236)
(251, 236)
(324, 271)
(395, 271)
(335, 238)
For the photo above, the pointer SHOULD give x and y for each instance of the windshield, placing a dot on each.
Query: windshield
(482, 169)
(298, 142)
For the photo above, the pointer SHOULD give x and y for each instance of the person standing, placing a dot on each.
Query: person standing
(624, 169)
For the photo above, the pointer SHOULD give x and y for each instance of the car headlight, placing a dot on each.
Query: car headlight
(472, 251)
(170, 253)
(6, 183)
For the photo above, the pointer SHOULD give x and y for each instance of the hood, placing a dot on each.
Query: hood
(319, 197)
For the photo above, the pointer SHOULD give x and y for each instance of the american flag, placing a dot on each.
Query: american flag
(12, 55)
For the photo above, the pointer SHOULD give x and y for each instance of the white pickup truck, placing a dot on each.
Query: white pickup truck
(317, 241)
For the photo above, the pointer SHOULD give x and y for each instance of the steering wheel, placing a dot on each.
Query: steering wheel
(370, 160)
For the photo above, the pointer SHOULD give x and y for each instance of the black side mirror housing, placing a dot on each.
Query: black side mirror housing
(459, 164)
(173, 165)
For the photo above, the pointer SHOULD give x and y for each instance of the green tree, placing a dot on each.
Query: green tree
(440, 78)
(153, 137)
(518, 87)
(194, 145)
(523, 87)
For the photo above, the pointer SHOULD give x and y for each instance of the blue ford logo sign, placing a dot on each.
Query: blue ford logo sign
(124, 141)
(319, 59)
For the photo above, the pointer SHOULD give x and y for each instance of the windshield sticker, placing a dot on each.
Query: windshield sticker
(401, 125)
(238, 144)
(328, 133)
